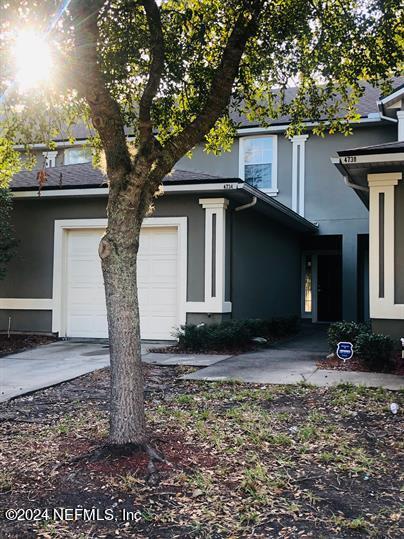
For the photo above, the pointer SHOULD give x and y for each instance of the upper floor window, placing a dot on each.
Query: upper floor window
(258, 162)
(74, 156)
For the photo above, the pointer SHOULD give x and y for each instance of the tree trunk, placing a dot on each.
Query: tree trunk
(118, 252)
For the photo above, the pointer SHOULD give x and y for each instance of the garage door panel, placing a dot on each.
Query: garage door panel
(156, 278)
(98, 323)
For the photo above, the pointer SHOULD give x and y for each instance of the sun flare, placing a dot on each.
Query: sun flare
(33, 60)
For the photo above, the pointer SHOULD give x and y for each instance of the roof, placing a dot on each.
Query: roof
(368, 104)
(84, 179)
(388, 147)
(84, 175)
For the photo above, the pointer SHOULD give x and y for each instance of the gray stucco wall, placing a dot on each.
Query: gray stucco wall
(336, 208)
(30, 273)
(399, 242)
(266, 261)
(393, 328)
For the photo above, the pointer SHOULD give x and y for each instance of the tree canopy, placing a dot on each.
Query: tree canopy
(161, 62)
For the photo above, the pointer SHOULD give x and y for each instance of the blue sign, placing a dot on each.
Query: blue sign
(345, 350)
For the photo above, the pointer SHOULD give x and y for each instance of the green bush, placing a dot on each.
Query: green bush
(375, 350)
(345, 331)
(232, 334)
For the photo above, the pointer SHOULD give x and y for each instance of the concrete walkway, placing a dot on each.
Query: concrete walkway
(58, 362)
(288, 363)
(292, 362)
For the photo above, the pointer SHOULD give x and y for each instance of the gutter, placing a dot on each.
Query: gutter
(345, 174)
(260, 195)
(380, 106)
(348, 183)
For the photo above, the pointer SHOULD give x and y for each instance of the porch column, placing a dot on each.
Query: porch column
(215, 258)
(349, 277)
(381, 250)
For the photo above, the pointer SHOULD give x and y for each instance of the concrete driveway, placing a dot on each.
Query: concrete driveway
(51, 364)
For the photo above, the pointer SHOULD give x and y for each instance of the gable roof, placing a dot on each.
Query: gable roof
(84, 175)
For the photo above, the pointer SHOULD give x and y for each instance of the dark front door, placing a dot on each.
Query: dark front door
(329, 280)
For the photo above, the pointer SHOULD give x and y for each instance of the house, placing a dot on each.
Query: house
(376, 174)
(267, 229)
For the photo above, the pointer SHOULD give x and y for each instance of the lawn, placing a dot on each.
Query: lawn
(243, 461)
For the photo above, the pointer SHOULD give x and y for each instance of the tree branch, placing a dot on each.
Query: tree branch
(219, 95)
(155, 72)
(89, 80)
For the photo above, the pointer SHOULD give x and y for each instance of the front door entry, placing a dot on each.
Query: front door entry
(329, 287)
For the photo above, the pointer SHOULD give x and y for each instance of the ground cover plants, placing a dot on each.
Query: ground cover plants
(241, 461)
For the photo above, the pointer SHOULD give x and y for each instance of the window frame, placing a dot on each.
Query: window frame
(273, 191)
(79, 148)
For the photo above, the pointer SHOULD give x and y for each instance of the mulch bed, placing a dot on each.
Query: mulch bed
(21, 342)
(356, 364)
(243, 461)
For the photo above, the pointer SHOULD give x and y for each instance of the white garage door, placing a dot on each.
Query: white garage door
(157, 284)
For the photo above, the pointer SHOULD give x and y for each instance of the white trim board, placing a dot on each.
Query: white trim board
(371, 158)
(60, 256)
(26, 304)
(103, 191)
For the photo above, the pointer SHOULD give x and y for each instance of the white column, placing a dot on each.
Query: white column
(382, 307)
(215, 258)
(50, 158)
(298, 172)
(400, 130)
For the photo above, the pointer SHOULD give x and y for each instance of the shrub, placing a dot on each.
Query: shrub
(232, 334)
(345, 331)
(375, 350)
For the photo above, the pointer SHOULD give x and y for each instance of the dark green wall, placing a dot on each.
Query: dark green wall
(265, 278)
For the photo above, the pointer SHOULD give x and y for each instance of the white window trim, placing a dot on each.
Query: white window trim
(241, 149)
(60, 262)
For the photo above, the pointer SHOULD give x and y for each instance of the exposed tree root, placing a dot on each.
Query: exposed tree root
(108, 451)
(153, 476)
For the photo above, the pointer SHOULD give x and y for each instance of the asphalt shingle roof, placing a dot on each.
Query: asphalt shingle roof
(84, 175)
(367, 105)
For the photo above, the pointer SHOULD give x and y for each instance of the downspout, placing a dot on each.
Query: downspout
(380, 106)
(355, 186)
(248, 205)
